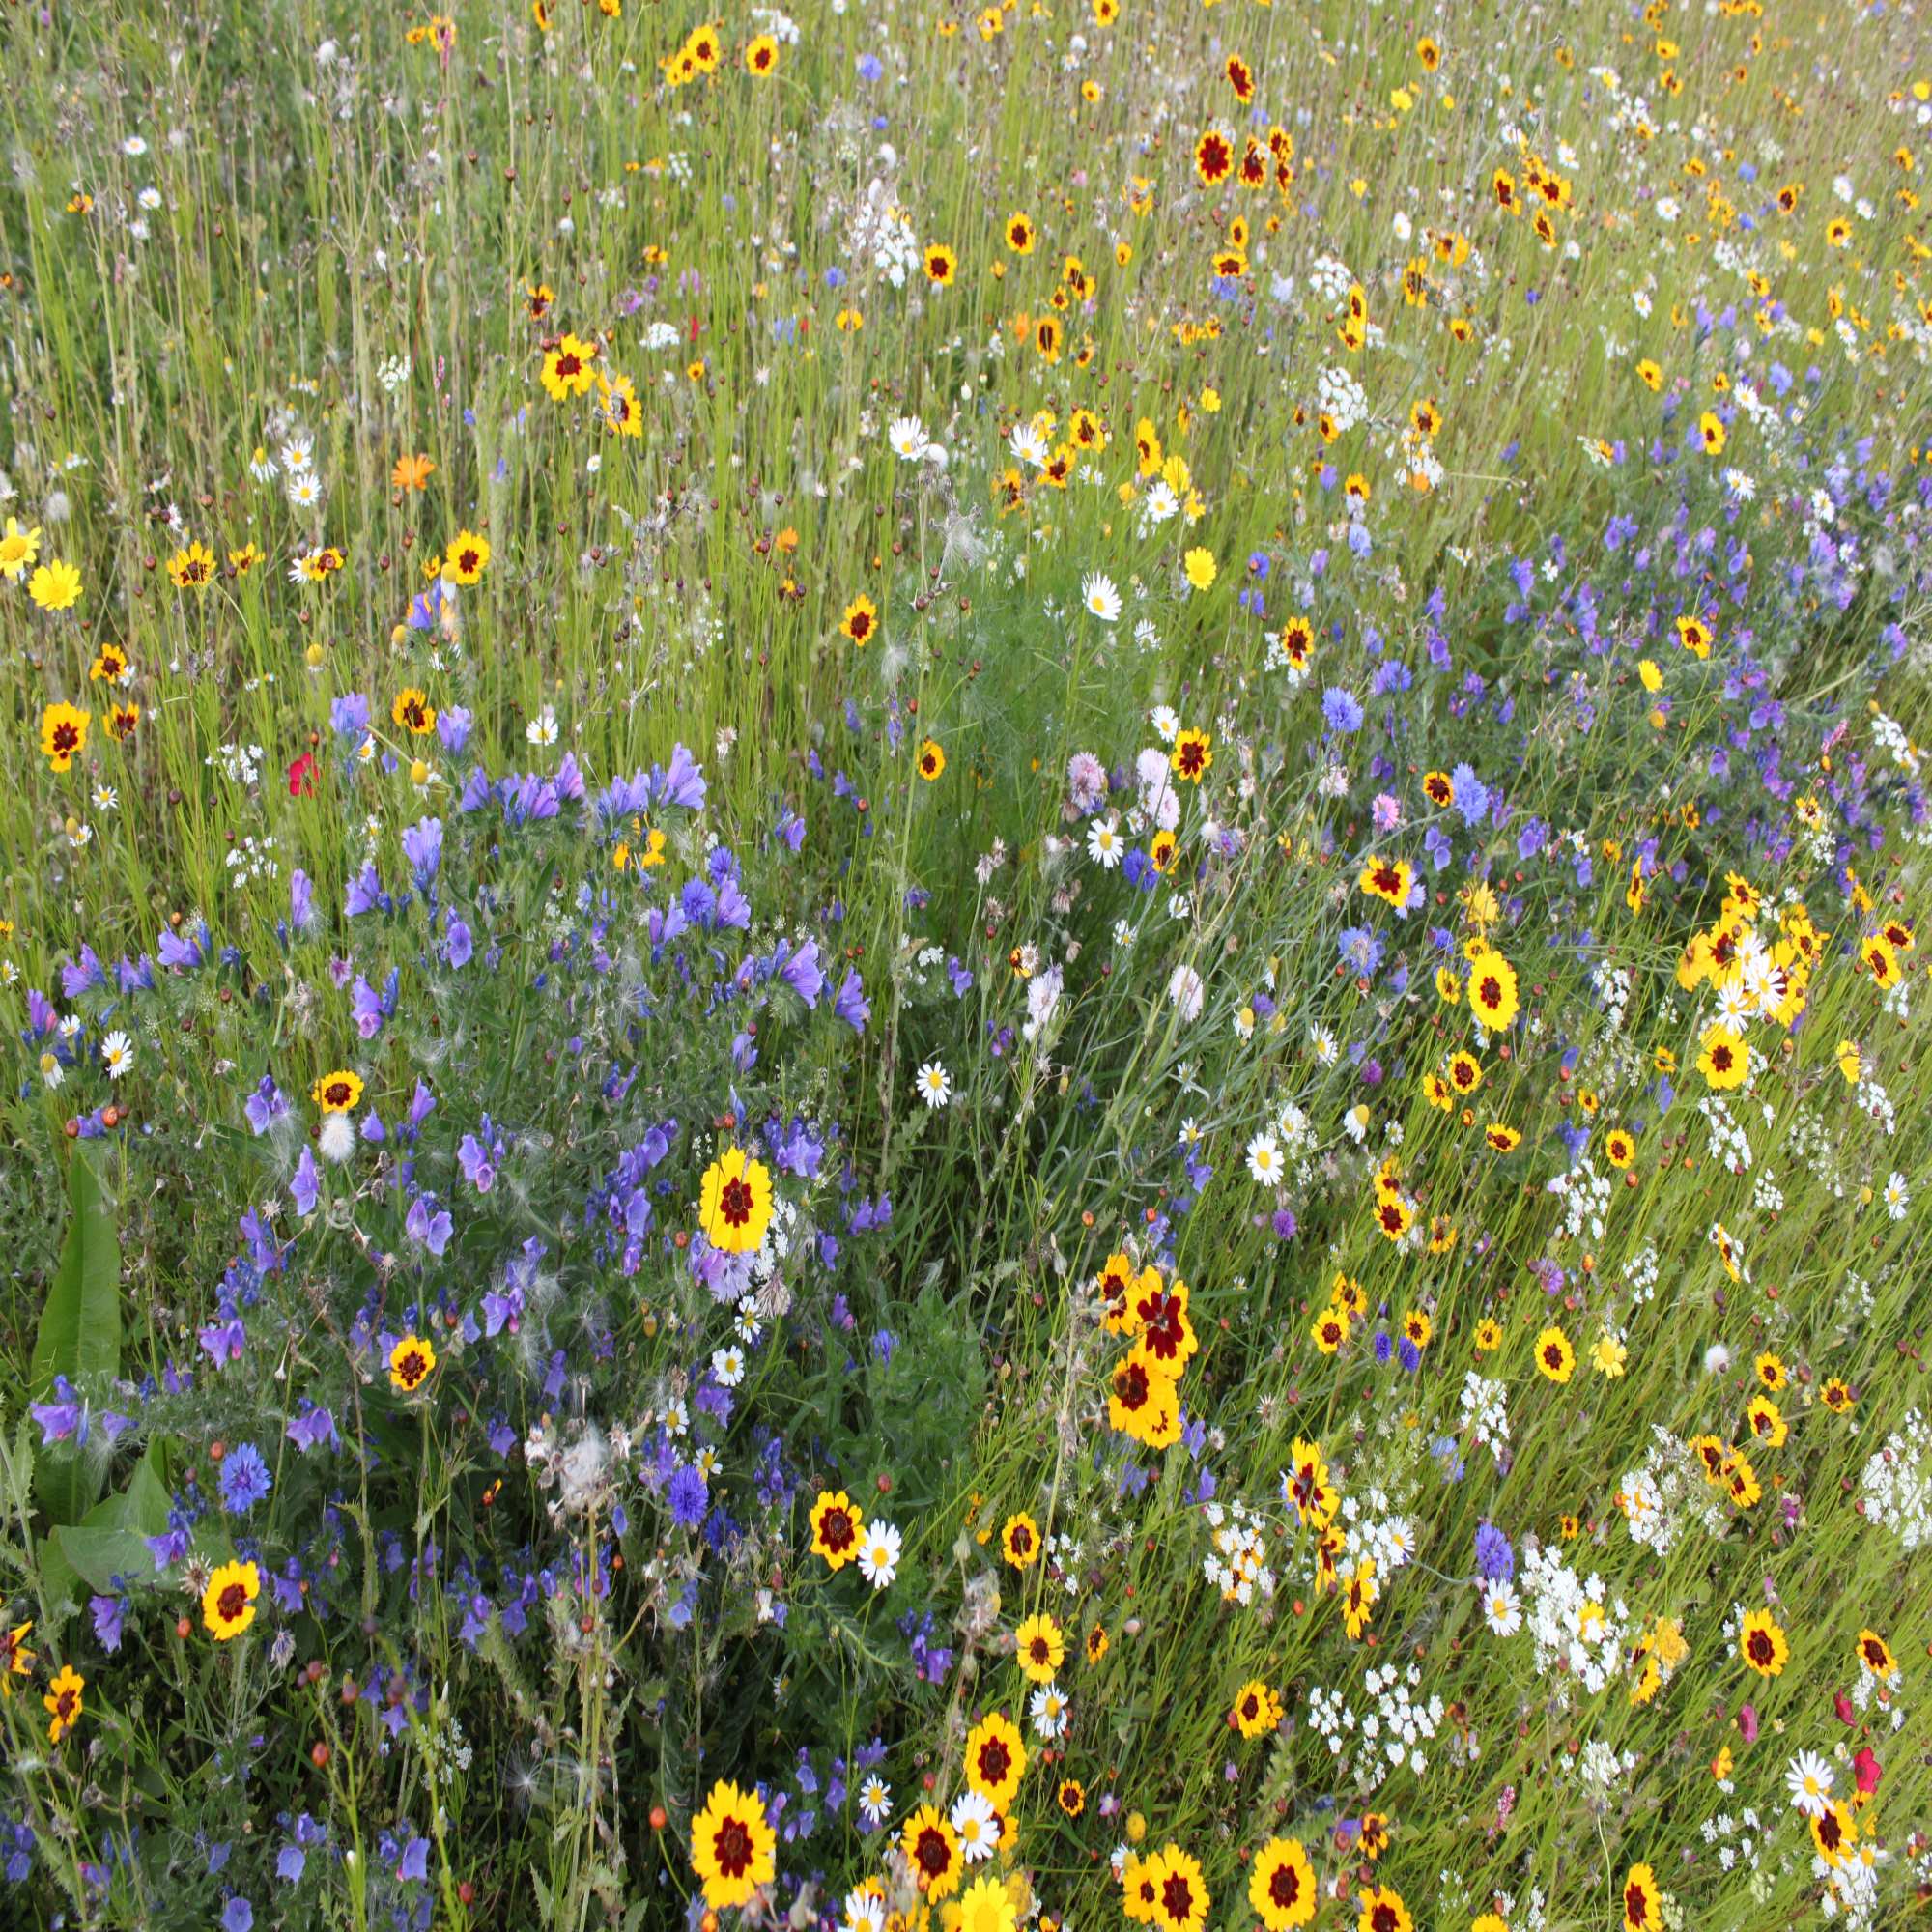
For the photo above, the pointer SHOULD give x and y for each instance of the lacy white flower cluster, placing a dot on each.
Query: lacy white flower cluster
(1728, 1144)
(1237, 1565)
(1341, 396)
(1574, 1629)
(1485, 1412)
(1389, 1734)
(1611, 985)
(1585, 1195)
(1666, 1494)
(1330, 280)
(883, 230)
(1897, 1483)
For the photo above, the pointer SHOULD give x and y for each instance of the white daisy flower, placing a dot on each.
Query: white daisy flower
(976, 1825)
(908, 439)
(117, 1054)
(879, 1554)
(933, 1084)
(1808, 1780)
(1501, 1610)
(1100, 597)
(1105, 844)
(1050, 1710)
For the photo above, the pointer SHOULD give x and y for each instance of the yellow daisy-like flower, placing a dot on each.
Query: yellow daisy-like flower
(228, 1604)
(337, 1092)
(996, 1759)
(64, 734)
(1039, 1647)
(55, 585)
(735, 1206)
(19, 547)
(1761, 1643)
(1555, 1358)
(732, 1845)
(834, 1528)
(1282, 1886)
(412, 1361)
(64, 1702)
(568, 370)
(193, 568)
(465, 558)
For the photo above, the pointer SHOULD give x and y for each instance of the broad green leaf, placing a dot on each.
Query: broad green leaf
(98, 1553)
(112, 1539)
(60, 1582)
(80, 1331)
(80, 1326)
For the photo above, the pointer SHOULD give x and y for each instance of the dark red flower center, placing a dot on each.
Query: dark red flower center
(732, 1848)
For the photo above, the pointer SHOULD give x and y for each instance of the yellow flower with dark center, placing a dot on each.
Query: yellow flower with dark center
(732, 1845)
(735, 1206)
(193, 568)
(1192, 755)
(834, 1528)
(63, 734)
(1723, 1059)
(567, 369)
(228, 1604)
(1389, 879)
(64, 1702)
(414, 712)
(1492, 989)
(411, 1362)
(1256, 1711)
(861, 620)
(1642, 1903)
(1761, 1643)
(337, 1092)
(1039, 1647)
(1383, 1911)
(1555, 1358)
(1019, 1541)
(931, 1849)
(1280, 1886)
(465, 558)
(1181, 1894)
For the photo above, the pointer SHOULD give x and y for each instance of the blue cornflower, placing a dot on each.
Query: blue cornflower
(245, 1479)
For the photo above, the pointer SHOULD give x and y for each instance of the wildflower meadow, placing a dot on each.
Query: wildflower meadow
(958, 967)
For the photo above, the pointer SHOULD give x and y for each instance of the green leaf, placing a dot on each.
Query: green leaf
(112, 1539)
(80, 1326)
(80, 1331)
(59, 1579)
